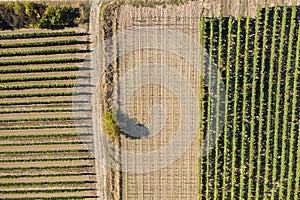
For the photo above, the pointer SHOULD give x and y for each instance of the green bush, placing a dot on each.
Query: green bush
(56, 17)
(41, 15)
(110, 126)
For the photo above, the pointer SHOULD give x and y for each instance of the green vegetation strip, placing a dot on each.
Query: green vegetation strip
(44, 191)
(42, 152)
(284, 136)
(39, 52)
(44, 111)
(224, 191)
(30, 70)
(45, 160)
(293, 125)
(4, 80)
(244, 114)
(39, 136)
(269, 106)
(28, 62)
(253, 97)
(261, 98)
(60, 183)
(201, 130)
(38, 34)
(235, 117)
(44, 175)
(37, 127)
(38, 44)
(24, 87)
(38, 95)
(297, 179)
(41, 119)
(216, 149)
(39, 144)
(41, 102)
(46, 168)
(277, 104)
(211, 35)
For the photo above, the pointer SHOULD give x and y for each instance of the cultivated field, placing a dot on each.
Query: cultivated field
(256, 154)
(41, 153)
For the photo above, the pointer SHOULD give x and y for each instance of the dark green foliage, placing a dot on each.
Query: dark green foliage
(41, 15)
(56, 17)
(19, 15)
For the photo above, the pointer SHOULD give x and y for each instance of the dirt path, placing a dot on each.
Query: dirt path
(101, 170)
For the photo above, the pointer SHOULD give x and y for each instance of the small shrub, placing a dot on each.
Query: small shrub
(110, 126)
(56, 17)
